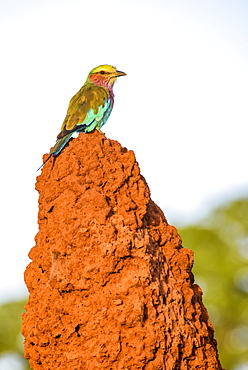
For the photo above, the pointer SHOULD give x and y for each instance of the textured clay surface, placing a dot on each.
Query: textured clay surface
(110, 284)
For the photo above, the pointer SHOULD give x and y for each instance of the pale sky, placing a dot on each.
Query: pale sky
(182, 108)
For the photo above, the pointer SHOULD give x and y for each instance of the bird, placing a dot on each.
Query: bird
(90, 107)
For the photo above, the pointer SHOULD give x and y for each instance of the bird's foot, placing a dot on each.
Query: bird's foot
(99, 130)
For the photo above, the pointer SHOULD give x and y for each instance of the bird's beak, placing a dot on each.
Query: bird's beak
(119, 73)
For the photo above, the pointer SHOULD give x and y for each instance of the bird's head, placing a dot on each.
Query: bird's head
(104, 75)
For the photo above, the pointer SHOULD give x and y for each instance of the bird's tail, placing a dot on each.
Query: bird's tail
(60, 144)
(44, 162)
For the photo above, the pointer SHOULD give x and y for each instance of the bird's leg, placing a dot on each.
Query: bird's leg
(98, 129)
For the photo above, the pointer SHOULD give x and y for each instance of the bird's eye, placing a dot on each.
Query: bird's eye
(102, 72)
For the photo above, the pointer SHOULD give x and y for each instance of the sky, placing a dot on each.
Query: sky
(182, 108)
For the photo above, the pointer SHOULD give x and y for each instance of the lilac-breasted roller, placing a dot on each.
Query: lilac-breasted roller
(90, 108)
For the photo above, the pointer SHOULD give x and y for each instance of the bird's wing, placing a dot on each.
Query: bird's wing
(88, 105)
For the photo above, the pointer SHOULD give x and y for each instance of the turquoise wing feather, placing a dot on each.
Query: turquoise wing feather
(89, 109)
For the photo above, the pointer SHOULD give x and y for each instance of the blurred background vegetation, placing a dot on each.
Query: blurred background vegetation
(220, 245)
(11, 340)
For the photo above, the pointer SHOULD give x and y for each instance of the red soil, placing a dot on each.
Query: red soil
(110, 284)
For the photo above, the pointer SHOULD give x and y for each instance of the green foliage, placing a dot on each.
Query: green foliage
(11, 340)
(220, 245)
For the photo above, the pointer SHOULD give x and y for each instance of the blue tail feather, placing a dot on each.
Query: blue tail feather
(60, 144)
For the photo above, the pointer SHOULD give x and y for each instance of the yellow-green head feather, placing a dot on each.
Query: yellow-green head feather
(104, 75)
